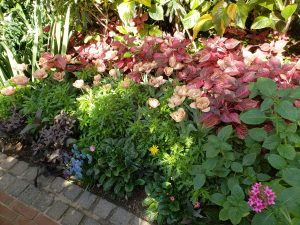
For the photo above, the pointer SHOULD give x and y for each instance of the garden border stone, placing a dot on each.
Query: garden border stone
(58, 199)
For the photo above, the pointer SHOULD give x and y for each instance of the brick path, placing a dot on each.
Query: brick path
(55, 200)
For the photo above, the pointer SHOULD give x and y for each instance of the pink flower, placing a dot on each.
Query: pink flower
(260, 198)
(172, 198)
(178, 115)
(8, 91)
(92, 148)
(59, 76)
(197, 205)
(153, 103)
(79, 84)
(20, 80)
(40, 74)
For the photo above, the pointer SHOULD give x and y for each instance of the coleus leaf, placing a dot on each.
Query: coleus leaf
(209, 119)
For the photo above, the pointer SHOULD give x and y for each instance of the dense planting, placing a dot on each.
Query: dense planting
(208, 128)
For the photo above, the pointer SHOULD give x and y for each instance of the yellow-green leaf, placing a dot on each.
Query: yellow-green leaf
(145, 2)
(202, 20)
(231, 11)
(288, 11)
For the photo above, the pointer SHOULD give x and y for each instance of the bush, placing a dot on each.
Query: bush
(51, 98)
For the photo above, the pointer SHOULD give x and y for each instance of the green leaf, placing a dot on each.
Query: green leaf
(127, 55)
(288, 11)
(265, 217)
(249, 159)
(225, 133)
(202, 20)
(295, 93)
(253, 117)
(287, 151)
(223, 214)
(261, 22)
(126, 12)
(220, 17)
(231, 11)
(195, 3)
(191, 19)
(276, 161)
(140, 182)
(145, 2)
(291, 176)
(266, 86)
(271, 142)
(199, 181)
(290, 198)
(287, 111)
(234, 215)
(263, 177)
(156, 12)
(237, 191)
(129, 187)
(211, 151)
(241, 13)
(266, 104)
(257, 134)
(218, 199)
(268, 4)
(237, 167)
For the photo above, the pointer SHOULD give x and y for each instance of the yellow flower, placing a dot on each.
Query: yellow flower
(154, 149)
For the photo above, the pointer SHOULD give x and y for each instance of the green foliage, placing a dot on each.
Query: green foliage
(50, 97)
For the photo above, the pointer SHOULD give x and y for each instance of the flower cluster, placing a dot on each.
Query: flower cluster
(260, 198)
(75, 163)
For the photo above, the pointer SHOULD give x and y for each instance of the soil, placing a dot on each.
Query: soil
(17, 148)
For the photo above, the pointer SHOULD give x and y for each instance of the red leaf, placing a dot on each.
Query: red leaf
(209, 119)
(242, 92)
(246, 104)
(58, 62)
(241, 131)
(231, 43)
(228, 117)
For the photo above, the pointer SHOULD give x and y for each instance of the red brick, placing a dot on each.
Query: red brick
(24, 221)
(4, 221)
(5, 198)
(7, 213)
(43, 220)
(24, 210)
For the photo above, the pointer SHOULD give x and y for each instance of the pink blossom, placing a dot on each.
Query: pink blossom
(172, 198)
(92, 148)
(260, 198)
(78, 84)
(197, 205)
(8, 91)
(20, 80)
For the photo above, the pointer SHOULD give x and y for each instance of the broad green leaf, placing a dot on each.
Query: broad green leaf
(249, 159)
(237, 167)
(257, 134)
(279, 4)
(203, 19)
(231, 11)
(225, 133)
(263, 177)
(291, 176)
(220, 17)
(276, 161)
(223, 214)
(235, 215)
(288, 111)
(156, 12)
(241, 13)
(237, 191)
(211, 151)
(191, 19)
(268, 4)
(295, 93)
(261, 22)
(266, 86)
(265, 217)
(205, 6)
(266, 104)
(271, 142)
(290, 198)
(199, 181)
(287, 151)
(126, 12)
(195, 3)
(253, 117)
(145, 2)
(218, 199)
(288, 11)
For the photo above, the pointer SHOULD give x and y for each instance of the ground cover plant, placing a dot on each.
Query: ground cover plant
(209, 129)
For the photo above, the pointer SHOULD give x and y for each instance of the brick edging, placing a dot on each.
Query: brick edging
(61, 200)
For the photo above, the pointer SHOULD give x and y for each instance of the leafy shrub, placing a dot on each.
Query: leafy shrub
(51, 98)
(15, 121)
(54, 140)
